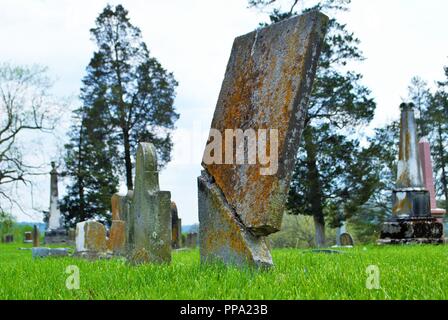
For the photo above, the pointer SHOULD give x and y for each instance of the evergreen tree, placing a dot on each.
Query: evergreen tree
(333, 176)
(88, 164)
(127, 97)
(438, 117)
(136, 91)
(420, 95)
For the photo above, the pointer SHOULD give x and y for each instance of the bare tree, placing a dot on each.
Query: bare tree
(26, 107)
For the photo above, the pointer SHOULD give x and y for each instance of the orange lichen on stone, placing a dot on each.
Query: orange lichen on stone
(267, 84)
(117, 239)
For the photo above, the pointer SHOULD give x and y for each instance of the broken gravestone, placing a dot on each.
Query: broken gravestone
(260, 112)
(149, 232)
(90, 239)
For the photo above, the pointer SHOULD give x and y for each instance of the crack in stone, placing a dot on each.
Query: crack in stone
(235, 215)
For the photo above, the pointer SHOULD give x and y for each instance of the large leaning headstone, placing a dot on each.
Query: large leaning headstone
(262, 103)
(150, 213)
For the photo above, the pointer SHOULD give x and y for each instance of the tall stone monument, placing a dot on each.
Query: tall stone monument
(263, 102)
(55, 233)
(411, 221)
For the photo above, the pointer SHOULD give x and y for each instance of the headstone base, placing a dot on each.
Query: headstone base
(412, 231)
(57, 236)
(93, 255)
(222, 237)
(49, 252)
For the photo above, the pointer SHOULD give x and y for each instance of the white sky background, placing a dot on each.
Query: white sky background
(193, 39)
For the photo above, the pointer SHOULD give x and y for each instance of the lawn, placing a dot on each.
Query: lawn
(407, 272)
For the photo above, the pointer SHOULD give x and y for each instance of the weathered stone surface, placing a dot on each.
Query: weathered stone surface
(57, 236)
(176, 227)
(222, 237)
(121, 207)
(267, 85)
(117, 238)
(347, 240)
(191, 241)
(412, 230)
(38, 252)
(71, 234)
(36, 237)
(115, 201)
(28, 237)
(150, 212)
(90, 237)
(411, 221)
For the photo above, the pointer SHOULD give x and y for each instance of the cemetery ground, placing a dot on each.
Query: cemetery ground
(406, 272)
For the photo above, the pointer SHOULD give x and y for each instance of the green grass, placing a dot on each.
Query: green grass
(407, 272)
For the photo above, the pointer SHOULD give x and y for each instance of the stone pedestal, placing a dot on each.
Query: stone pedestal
(58, 236)
(412, 231)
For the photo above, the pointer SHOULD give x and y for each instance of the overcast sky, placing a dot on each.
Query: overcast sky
(193, 38)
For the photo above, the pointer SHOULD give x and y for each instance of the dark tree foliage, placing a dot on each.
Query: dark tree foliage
(432, 122)
(127, 97)
(382, 155)
(333, 175)
(438, 115)
(94, 178)
(137, 92)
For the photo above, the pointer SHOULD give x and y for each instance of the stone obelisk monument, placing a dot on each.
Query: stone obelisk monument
(54, 221)
(55, 232)
(411, 220)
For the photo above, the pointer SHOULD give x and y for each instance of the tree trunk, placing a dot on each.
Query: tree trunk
(315, 192)
(319, 227)
(127, 158)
